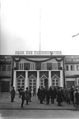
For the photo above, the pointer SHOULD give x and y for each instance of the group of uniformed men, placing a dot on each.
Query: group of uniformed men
(58, 94)
(49, 95)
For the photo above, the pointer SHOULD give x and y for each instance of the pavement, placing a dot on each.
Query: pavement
(6, 104)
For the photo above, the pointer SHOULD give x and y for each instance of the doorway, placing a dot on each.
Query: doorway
(44, 81)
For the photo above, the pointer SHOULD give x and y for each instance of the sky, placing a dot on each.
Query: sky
(33, 25)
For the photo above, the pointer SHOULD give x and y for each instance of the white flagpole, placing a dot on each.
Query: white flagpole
(40, 31)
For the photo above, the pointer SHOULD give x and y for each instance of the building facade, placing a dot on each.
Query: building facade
(38, 70)
(35, 71)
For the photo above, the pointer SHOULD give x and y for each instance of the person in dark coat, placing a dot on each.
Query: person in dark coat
(72, 94)
(20, 90)
(76, 97)
(22, 98)
(38, 93)
(27, 95)
(59, 96)
(12, 94)
(52, 92)
(30, 95)
(67, 93)
(47, 93)
(41, 95)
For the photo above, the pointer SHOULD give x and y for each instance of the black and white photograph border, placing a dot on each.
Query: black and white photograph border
(39, 59)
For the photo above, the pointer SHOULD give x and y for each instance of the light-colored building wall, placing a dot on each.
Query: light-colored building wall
(44, 64)
(5, 73)
(72, 69)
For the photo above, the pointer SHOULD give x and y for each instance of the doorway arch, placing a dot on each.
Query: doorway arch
(44, 81)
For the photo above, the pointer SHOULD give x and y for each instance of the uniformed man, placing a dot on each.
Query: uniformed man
(76, 97)
(22, 98)
(52, 94)
(59, 96)
(47, 93)
(42, 95)
(27, 95)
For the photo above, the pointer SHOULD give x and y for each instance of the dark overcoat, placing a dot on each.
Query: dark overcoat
(59, 96)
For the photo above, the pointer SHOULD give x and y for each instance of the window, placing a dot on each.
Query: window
(21, 66)
(38, 66)
(20, 83)
(67, 67)
(55, 82)
(43, 66)
(49, 66)
(72, 67)
(59, 65)
(17, 66)
(55, 66)
(26, 66)
(8, 67)
(77, 67)
(33, 66)
(3, 67)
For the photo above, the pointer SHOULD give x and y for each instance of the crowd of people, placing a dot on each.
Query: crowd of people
(58, 94)
(24, 95)
(49, 95)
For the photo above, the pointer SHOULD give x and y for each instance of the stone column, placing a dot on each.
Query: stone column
(49, 79)
(61, 79)
(26, 79)
(38, 81)
(77, 79)
(14, 80)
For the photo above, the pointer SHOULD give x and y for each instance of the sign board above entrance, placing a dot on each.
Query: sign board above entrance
(38, 53)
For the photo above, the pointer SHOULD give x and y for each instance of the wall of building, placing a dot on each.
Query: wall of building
(45, 69)
(5, 73)
(71, 66)
(72, 70)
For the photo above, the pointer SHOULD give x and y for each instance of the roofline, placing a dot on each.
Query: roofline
(37, 55)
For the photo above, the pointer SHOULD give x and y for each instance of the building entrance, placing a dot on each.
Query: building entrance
(55, 80)
(32, 84)
(20, 82)
(44, 81)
